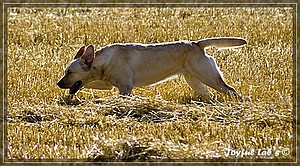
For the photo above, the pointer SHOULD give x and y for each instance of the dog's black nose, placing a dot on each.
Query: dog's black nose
(60, 84)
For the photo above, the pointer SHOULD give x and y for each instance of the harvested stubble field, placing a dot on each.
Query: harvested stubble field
(160, 123)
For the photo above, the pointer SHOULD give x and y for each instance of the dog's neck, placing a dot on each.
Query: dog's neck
(97, 74)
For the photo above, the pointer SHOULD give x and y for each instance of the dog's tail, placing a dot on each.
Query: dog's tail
(222, 42)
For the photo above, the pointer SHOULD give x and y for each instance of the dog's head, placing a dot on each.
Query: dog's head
(78, 72)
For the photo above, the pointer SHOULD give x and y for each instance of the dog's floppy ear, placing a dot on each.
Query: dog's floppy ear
(88, 55)
(80, 52)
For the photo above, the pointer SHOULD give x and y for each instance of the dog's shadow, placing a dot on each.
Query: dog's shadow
(144, 110)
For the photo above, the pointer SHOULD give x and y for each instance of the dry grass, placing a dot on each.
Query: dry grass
(163, 122)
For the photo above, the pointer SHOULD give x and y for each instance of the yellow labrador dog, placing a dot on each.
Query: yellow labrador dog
(129, 65)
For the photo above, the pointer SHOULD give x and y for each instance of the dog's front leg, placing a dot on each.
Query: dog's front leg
(125, 86)
(125, 89)
(122, 78)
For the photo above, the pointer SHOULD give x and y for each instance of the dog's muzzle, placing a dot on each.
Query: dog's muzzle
(76, 87)
(60, 84)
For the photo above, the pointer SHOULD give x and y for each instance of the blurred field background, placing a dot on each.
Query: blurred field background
(163, 122)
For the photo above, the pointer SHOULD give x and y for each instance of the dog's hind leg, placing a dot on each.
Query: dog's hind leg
(205, 69)
(199, 88)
